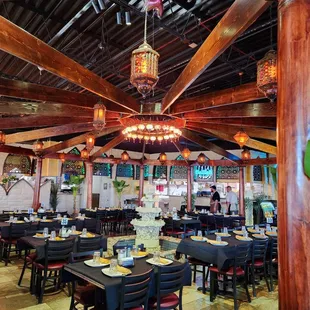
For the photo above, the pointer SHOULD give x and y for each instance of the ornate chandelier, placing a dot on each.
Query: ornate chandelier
(152, 128)
(144, 66)
(267, 75)
(241, 138)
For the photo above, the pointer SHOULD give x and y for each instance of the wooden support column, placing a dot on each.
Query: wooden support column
(36, 194)
(141, 185)
(89, 180)
(293, 117)
(189, 189)
(241, 191)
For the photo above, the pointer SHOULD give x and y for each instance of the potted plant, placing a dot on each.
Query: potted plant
(119, 188)
(257, 208)
(193, 200)
(54, 198)
(75, 181)
(248, 211)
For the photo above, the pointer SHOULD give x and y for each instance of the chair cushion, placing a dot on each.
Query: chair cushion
(228, 272)
(85, 295)
(257, 263)
(5, 240)
(135, 308)
(175, 232)
(169, 301)
(195, 261)
(31, 257)
(52, 265)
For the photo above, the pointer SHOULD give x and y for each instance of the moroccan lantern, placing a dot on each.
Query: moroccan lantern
(144, 69)
(38, 147)
(90, 142)
(2, 137)
(62, 157)
(267, 75)
(186, 153)
(99, 116)
(162, 158)
(125, 156)
(246, 154)
(241, 138)
(85, 154)
(201, 159)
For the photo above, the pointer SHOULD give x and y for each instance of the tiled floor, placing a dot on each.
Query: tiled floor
(13, 297)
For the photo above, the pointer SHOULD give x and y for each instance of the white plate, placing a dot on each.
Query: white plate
(116, 274)
(271, 233)
(235, 215)
(139, 256)
(75, 233)
(186, 218)
(259, 236)
(240, 238)
(222, 234)
(194, 238)
(222, 243)
(253, 231)
(151, 261)
(238, 232)
(87, 236)
(39, 237)
(91, 263)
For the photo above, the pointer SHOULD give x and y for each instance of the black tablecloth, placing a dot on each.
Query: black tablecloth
(209, 253)
(38, 244)
(112, 285)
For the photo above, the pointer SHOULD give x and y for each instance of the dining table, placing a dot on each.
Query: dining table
(111, 285)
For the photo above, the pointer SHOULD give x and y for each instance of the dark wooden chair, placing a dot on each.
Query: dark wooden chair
(196, 263)
(50, 225)
(237, 270)
(129, 216)
(15, 231)
(222, 221)
(89, 244)
(134, 292)
(57, 255)
(169, 280)
(91, 225)
(173, 228)
(272, 259)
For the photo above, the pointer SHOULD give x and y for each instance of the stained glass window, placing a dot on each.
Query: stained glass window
(17, 164)
(159, 171)
(178, 172)
(146, 172)
(103, 169)
(125, 171)
(257, 173)
(227, 172)
(75, 167)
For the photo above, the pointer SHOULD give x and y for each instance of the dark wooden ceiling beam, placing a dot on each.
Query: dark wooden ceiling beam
(116, 141)
(22, 44)
(266, 109)
(189, 135)
(77, 140)
(232, 130)
(30, 91)
(242, 93)
(16, 150)
(236, 20)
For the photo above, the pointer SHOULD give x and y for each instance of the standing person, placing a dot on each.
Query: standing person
(215, 204)
(231, 201)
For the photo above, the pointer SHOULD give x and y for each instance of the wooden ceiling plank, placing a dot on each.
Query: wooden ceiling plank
(239, 94)
(266, 109)
(189, 135)
(232, 130)
(77, 140)
(236, 20)
(117, 140)
(16, 150)
(16, 41)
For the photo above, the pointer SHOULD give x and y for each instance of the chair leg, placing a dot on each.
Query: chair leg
(194, 275)
(203, 279)
(42, 287)
(212, 286)
(32, 279)
(23, 270)
(72, 296)
(253, 281)
(265, 276)
(246, 287)
(235, 293)
(271, 277)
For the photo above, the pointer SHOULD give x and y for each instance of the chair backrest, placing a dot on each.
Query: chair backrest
(169, 280)
(49, 225)
(135, 290)
(17, 230)
(130, 215)
(58, 250)
(211, 219)
(90, 225)
(101, 214)
(273, 250)
(89, 244)
(259, 249)
(242, 255)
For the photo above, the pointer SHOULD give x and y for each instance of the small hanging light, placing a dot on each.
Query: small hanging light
(84, 154)
(99, 116)
(125, 156)
(267, 75)
(245, 154)
(201, 159)
(38, 147)
(62, 157)
(90, 141)
(186, 153)
(2, 137)
(162, 158)
(241, 137)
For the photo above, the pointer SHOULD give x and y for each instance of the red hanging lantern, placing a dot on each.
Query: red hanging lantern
(38, 147)
(90, 141)
(246, 154)
(85, 154)
(201, 159)
(125, 156)
(186, 153)
(162, 158)
(241, 138)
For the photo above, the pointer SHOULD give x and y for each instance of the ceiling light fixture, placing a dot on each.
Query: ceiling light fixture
(241, 137)
(186, 153)
(127, 18)
(99, 116)
(245, 154)
(125, 156)
(201, 159)
(85, 154)
(2, 138)
(38, 147)
(90, 141)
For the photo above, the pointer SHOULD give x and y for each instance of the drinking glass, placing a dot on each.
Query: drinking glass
(245, 234)
(53, 235)
(262, 231)
(113, 265)
(44, 218)
(273, 228)
(243, 228)
(15, 219)
(199, 233)
(31, 218)
(65, 216)
(73, 229)
(58, 216)
(134, 250)
(225, 230)
(84, 232)
(80, 214)
(45, 232)
(156, 257)
(96, 257)
(218, 239)
(11, 218)
(256, 227)
(268, 228)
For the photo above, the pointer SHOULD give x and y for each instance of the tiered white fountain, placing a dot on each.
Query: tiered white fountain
(147, 228)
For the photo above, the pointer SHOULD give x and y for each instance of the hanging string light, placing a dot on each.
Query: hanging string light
(201, 159)
(99, 116)
(38, 147)
(241, 137)
(186, 153)
(144, 66)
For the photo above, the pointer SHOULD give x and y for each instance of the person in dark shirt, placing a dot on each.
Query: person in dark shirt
(215, 200)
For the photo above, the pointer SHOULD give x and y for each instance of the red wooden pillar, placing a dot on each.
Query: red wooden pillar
(89, 180)
(36, 194)
(293, 119)
(241, 191)
(141, 185)
(189, 189)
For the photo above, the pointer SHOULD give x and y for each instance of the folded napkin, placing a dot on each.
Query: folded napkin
(89, 235)
(104, 260)
(39, 235)
(142, 253)
(123, 270)
(163, 260)
(59, 239)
